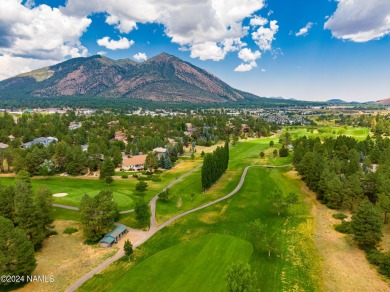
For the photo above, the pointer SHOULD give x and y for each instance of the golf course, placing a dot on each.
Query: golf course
(293, 262)
(197, 235)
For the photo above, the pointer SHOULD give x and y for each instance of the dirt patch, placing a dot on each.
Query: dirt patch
(209, 217)
(60, 195)
(345, 267)
(65, 258)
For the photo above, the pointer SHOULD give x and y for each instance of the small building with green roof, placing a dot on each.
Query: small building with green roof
(113, 236)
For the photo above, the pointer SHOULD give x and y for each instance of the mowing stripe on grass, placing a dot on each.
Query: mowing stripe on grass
(200, 263)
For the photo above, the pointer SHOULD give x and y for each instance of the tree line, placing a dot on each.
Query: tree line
(214, 166)
(354, 175)
(25, 221)
(143, 133)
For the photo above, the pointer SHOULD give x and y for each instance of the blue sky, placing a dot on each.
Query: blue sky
(309, 50)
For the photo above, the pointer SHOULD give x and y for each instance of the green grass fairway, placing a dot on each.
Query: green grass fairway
(64, 214)
(243, 154)
(123, 189)
(359, 133)
(294, 266)
(196, 265)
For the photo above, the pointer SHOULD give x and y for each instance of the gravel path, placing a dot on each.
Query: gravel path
(145, 235)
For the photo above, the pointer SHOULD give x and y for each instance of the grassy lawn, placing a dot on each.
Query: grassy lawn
(64, 214)
(359, 133)
(206, 259)
(241, 155)
(295, 265)
(123, 189)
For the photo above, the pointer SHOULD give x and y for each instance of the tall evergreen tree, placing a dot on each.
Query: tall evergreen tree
(366, 225)
(142, 213)
(98, 214)
(167, 163)
(27, 216)
(43, 201)
(16, 251)
(7, 207)
(108, 169)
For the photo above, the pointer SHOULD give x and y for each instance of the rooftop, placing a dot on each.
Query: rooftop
(137, 159)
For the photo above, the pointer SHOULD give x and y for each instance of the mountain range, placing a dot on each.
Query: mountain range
(161, 78)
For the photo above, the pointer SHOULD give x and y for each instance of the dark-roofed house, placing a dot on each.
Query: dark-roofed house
(113, 236)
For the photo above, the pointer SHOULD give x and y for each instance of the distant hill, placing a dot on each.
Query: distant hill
(162, 78)
(336, 101)
(383, 101)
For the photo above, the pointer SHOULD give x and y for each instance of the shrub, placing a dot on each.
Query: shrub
(135, 175)
(374, 257)
(156, 178)
(125, 176)
(283, 152)
(344, 227)
(52, 232)
(164, 196)
(70, 230)
(340, 216)
(384, 266)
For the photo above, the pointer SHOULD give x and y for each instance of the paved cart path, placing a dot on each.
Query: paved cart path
(143, 236)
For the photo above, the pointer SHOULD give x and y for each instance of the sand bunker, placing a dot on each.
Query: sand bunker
(60, 195)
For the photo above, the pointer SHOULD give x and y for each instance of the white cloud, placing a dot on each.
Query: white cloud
(41, 32)
(29, 3)
(246, 67)
(215, 51)
(209, 29)
(304, 30)
(258, 21)
(101, 53)
(140, 57)
(247, 55)
(30, 33)
(263, 70)
(249, 59)
(264, 37)
(11, 66)
(360, 20)
(122, 43)
(203, 26)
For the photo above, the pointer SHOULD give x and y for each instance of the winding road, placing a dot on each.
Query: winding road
(143, 236)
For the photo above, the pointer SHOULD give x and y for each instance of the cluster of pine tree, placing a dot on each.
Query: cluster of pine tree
(344, 171)
(214, 166)
(98, 214)
(351, 174)
(25, 221)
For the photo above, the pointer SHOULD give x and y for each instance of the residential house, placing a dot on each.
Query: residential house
(134, 163)
(160, 151)
(45, 141)
(120, 136)
(74, 126)
(245, 128)
(112, 123)
(3, 146)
